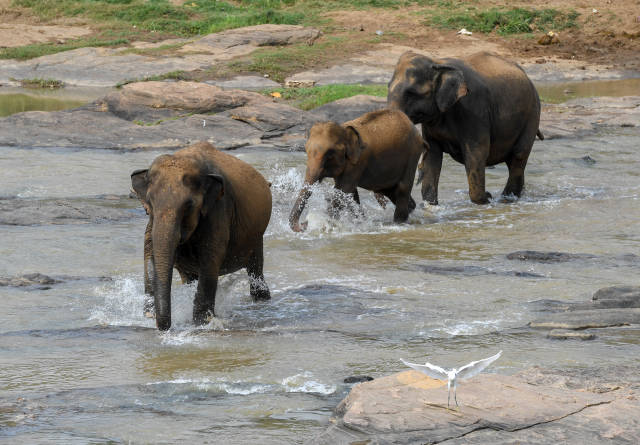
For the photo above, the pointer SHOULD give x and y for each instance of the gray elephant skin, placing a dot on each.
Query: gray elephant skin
(207, 215)
(378, 151)
(482, 110)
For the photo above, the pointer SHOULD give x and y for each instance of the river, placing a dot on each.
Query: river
(81, 364)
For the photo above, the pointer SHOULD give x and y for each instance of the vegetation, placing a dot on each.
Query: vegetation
(43, 49)
(312, 97)
(505, 22)
(41, 83)
(175, 75)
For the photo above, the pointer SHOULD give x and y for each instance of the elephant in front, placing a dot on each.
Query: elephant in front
(482, 110)
(208, 212)
(379, 151)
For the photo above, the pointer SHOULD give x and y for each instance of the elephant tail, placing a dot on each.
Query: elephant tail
(540, 135)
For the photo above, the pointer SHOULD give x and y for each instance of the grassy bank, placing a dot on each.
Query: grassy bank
(313, 97)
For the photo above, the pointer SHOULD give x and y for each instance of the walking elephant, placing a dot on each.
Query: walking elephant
(378, 151)
(207, 215)
(482, 110)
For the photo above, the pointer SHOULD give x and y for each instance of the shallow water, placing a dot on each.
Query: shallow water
(80, 361)
(17, 100)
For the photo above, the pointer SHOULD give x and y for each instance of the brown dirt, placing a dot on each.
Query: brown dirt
(609, 37)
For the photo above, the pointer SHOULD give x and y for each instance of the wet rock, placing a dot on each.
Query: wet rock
(471, 271)
(358, 379)
(38, 280)
(585, 319)
(30, 212)
(588, 160)
(563, 334)
(547, 257)
(347, 109)
(110, 66)
(617, 293)
(411, 408)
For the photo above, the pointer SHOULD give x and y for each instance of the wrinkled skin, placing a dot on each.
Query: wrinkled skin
(482, 110)
(207, 215)
(378, 151)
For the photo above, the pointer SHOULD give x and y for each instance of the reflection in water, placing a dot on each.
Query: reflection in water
(350, 297)
(17, 103)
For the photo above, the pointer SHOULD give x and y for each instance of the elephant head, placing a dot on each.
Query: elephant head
(176, 194)
(423, 88)
(330, 149)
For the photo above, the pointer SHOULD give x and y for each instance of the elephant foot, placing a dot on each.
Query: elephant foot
(203, 317)
(261, 295)
(485, 200)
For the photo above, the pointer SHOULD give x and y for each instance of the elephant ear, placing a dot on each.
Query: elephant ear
(452, 87)
(140, 183)
(354, 144)
(214, 186)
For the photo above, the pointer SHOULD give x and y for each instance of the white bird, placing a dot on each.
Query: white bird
(453, 375)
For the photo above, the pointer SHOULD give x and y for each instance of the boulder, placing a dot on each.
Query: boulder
(273, 119)
(409, 407)
(343, 110)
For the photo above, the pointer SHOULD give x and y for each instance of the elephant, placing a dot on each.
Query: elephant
(482, 110)
(208, 212)
(378, 151)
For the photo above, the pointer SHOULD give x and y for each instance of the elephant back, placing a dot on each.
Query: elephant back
(383, 129)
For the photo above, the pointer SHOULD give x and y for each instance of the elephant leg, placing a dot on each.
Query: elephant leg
(205, 300)
(402, 200)
(474, 163)
(412, 204)
(148, 271)
(518, 161)
(430, 173)
(257, 284)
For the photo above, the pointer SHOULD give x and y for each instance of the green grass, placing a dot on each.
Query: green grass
(192, 18)
(44, 49)
(313, 97)
(505, 22)
(279, 62)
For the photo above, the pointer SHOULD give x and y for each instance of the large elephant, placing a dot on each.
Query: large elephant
(378, 151)
(482, 110)
(207, 215)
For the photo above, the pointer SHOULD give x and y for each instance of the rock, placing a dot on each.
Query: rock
(470, 271)
(617, 293)
(31, 279)
(547, 257)
(563, 334)
(246, 83)
(344, 74)
(110, 66)
(299, 83)
(585, 319)
(30, 212)
(273, 119)
(409, 407)
(358, 379)
(344, 110)
(186, 97)
(588, 160)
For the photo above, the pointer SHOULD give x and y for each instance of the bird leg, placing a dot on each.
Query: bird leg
(448, 396)
(455, 396)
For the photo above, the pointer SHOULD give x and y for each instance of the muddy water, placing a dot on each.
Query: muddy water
(18, 100)
(81, 364)
(559, 92)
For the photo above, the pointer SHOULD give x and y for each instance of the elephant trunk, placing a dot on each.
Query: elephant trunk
(165, 237)
(311, 177)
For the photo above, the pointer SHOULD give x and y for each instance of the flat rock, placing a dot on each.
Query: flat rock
(273, 119)
(585, 319)
(29, 212)
(343, 110)
(344, 74)
(110, 66)
(30, 279)
(617, 293)
(246, 83)
(409, 407)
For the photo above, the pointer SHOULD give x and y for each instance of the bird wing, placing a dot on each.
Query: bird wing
(433, 371)
(475, 368)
